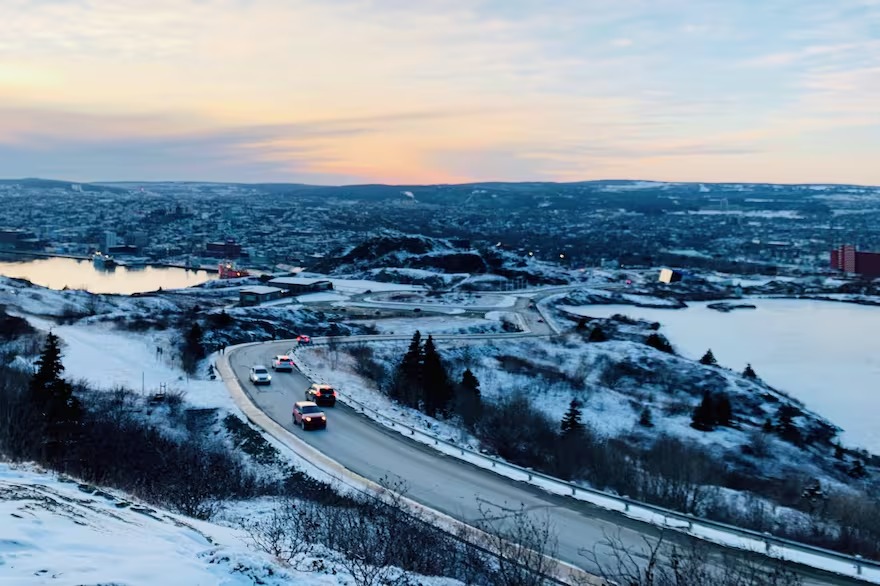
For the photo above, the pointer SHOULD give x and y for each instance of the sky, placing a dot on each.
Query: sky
(441, 91)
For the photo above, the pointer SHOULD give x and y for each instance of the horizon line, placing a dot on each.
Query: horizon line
(465, 183)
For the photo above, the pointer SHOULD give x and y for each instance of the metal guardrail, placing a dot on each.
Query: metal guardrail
(852, 566)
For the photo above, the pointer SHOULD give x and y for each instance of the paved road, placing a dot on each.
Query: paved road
(439, 482)
(445, 484)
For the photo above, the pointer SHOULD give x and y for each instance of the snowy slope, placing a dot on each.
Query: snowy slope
(58, 532)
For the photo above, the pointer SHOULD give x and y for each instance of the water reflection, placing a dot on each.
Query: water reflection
(58, 273)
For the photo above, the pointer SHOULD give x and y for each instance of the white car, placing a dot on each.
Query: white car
(282, 362)
(260, 375)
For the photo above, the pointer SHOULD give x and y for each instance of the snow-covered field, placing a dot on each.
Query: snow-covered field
(56, 531)
(53, 532)
(109, 358)
(320, 297)
(455, 299)
(439, 325)
(820, 352)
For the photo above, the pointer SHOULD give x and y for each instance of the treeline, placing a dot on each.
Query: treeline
(422, 382)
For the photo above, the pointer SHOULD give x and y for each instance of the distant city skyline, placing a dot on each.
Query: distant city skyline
(387, 91)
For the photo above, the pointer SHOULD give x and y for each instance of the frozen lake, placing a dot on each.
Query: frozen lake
(824, 353)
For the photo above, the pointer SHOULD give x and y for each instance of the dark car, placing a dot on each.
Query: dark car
(309, 416)
(322, 394)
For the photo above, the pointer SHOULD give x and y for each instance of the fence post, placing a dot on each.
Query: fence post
(858, 565)
(766, 542)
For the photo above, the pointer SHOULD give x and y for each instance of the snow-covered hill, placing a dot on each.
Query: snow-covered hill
(55, 531)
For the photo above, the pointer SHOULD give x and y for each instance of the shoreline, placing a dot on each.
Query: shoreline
(34, 255)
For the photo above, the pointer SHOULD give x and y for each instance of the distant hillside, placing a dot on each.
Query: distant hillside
(36, 183)
(631, 195)
(405, 252)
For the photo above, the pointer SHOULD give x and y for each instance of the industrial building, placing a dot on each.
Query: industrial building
(19, 240)
(258, 294)
(849, 260)
(229, 249)
(301, 285)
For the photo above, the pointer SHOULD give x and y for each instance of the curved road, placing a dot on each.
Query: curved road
(436, 481)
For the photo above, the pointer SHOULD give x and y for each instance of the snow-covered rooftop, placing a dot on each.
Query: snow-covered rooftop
(261, 290)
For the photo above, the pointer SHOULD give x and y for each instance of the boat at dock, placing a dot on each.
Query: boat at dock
(227, 270)
(103, 261)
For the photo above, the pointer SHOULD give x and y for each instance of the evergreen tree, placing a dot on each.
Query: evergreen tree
(468, 403)
(749, 372)
(709, 359)
(659, 342)
(838, 451)
(193, 349)
(858, 469)
(406, 385)
(646, 419)
(598, 335)
(571, 422)
(437, 390)
(785, 426)
(723, 410)
(703, 417)
(52, 396)
(582, 324)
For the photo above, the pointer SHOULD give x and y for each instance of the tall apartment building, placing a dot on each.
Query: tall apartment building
(849, 260)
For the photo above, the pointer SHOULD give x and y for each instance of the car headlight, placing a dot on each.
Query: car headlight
(308, 418)
(323, 418)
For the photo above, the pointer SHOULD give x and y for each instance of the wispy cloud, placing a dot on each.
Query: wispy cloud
(437, 90)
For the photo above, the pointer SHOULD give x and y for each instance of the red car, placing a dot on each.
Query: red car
(308, 416)
(303, 339)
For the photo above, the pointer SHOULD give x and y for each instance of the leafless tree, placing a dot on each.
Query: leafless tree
(658, 562)
(333, 350)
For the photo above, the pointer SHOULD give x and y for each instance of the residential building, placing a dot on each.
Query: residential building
(848, 259)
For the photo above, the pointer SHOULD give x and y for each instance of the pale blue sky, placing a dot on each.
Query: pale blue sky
(397, 91)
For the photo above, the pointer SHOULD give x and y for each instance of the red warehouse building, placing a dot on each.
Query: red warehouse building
(849, 260)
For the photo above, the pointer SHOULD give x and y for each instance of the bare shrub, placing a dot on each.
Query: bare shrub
(677, 475)
(517, 432)
(658, 562)
(521, 545)
(366, 365)
(287, 532)
(759, 444)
